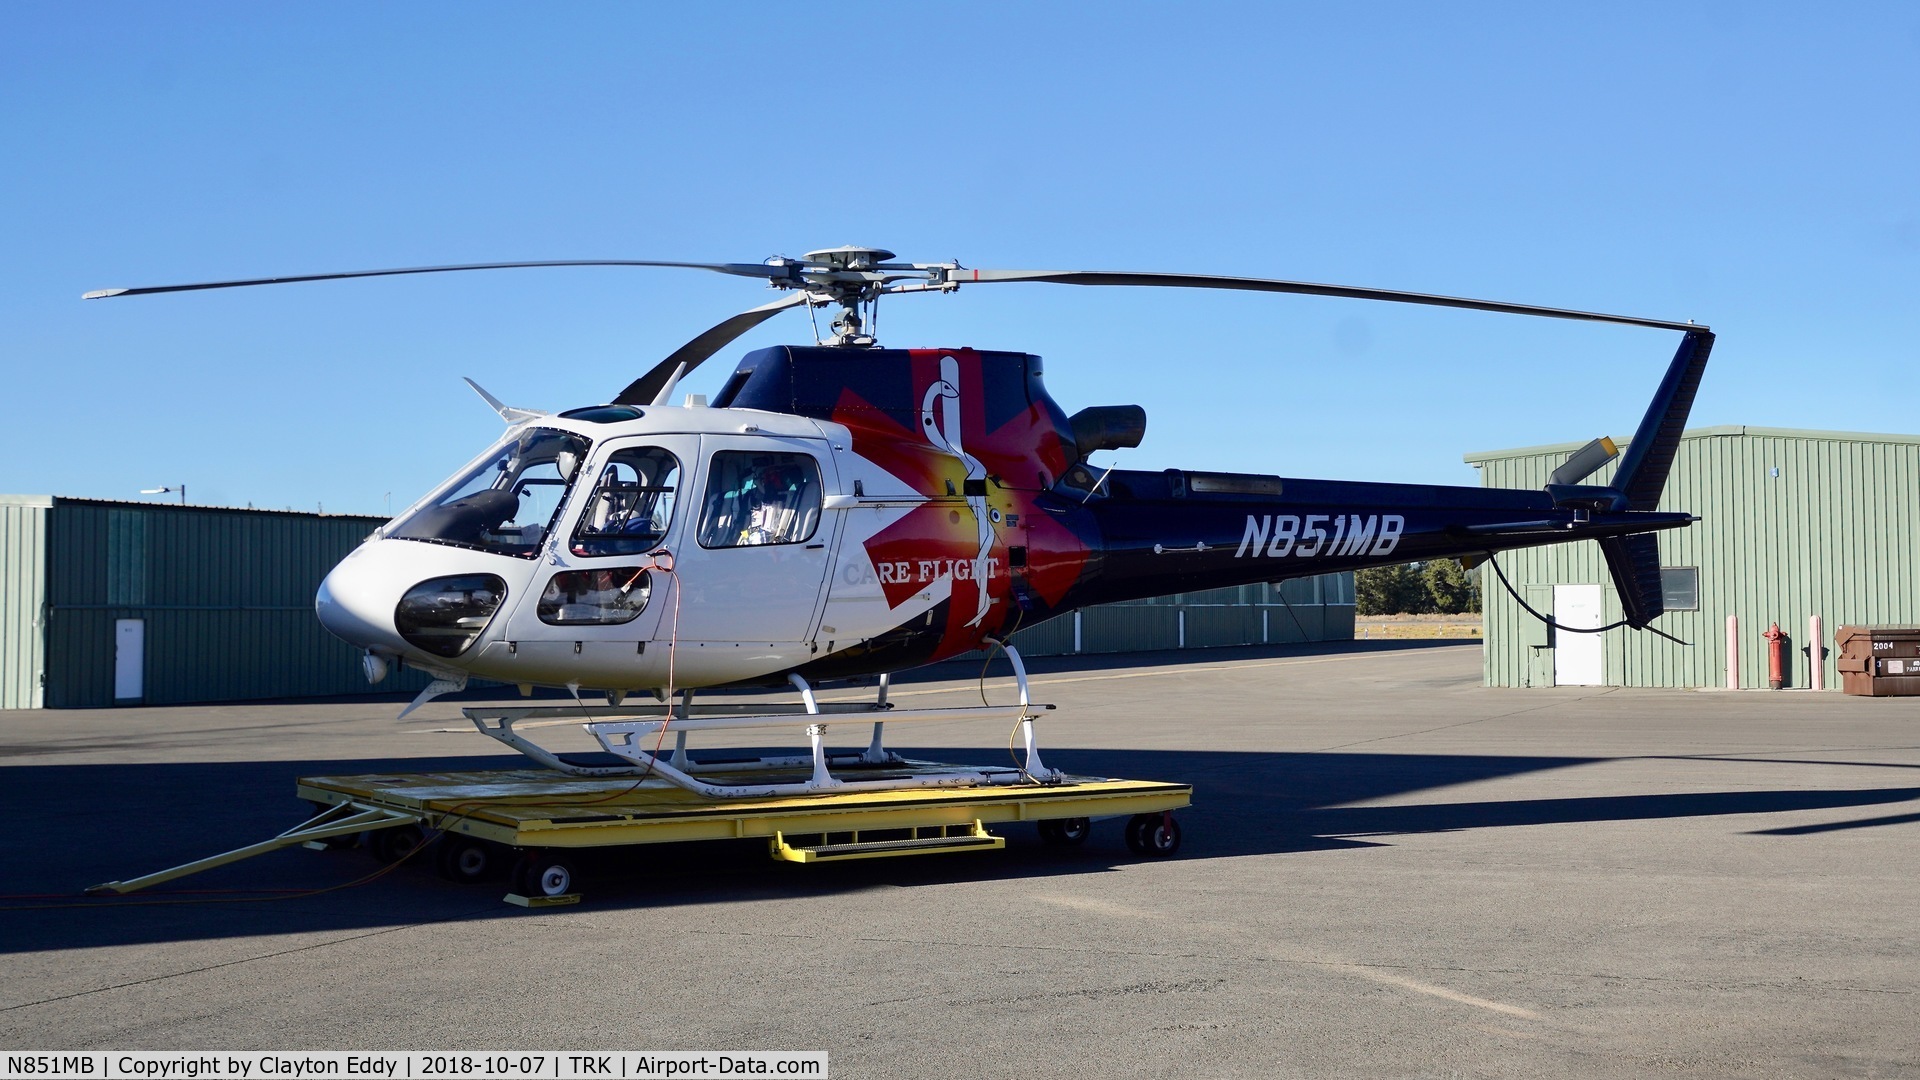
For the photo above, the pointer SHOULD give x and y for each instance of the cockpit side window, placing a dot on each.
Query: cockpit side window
(755, 498)
(631, 507)
(509, 501)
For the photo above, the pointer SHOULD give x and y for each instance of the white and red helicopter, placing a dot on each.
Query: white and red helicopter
(845, 510)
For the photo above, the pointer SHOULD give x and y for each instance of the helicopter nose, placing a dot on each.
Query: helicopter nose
(357, 607)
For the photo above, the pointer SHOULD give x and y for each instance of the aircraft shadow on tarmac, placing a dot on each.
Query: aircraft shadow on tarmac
(75, 826)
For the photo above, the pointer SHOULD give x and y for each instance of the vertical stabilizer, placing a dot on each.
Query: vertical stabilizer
(1643, 468)
(1634, 561)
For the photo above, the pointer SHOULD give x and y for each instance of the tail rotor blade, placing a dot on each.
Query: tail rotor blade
(1585, 461)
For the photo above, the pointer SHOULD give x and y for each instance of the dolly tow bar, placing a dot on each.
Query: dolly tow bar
(340, 820)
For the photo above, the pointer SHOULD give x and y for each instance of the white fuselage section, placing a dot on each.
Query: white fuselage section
(754, 564)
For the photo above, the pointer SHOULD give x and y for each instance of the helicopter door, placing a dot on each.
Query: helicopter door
(591, 606)
(757, 547)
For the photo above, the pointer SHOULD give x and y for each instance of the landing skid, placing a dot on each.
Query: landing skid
(637, 734)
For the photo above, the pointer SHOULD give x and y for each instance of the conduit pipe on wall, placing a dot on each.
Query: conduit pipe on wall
(1733, 652)
(1816, 655)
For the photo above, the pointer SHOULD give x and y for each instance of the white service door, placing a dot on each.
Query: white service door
(1578, 659)
(129, 659)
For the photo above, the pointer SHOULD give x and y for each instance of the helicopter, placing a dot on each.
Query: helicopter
(843, 510)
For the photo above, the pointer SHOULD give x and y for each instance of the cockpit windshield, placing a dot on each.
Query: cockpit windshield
(508, 502)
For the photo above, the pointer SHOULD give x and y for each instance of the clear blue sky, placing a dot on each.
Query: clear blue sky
(1749, 166)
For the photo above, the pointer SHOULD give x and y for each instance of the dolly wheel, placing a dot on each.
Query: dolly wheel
(1065, 832)
(544, 875)
(1153, 834)
(392, 845)
(467, 861)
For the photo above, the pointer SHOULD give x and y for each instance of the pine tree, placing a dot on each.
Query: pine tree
(1390, 590)
(1448, 587)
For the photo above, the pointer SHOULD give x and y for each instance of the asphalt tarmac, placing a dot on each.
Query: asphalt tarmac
(1389, 871)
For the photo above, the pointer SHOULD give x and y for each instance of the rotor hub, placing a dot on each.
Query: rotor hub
(850, 257)
(852, 277)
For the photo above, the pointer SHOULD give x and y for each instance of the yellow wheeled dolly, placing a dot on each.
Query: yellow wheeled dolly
(528, 824)
(815, 807)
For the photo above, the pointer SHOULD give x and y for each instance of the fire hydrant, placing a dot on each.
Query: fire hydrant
(1776, 657)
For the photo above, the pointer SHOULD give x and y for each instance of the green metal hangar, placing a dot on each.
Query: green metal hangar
(1793, 525)
(145, 603)
(105, 603)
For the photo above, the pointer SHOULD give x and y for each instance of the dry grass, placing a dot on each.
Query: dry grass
(1463, 627)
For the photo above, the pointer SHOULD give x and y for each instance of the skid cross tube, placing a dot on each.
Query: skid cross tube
(624, 733)
(624, 739)
(499, 725)
(815, 784)
(628, 740)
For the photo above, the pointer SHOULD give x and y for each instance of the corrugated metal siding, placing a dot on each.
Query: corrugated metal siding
(1128, 628)
(1836, 533)
(1305, 609)
(227, 597)
(1051, 638)
(23, 536)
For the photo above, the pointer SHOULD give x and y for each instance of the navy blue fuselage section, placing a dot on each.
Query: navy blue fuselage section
(1159, 536)
(1132, 534)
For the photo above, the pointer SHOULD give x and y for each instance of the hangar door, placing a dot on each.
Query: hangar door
(1578, 659)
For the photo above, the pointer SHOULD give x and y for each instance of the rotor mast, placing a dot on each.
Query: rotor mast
(852, 277)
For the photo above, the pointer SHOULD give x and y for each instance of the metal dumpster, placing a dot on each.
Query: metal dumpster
(1879, 661)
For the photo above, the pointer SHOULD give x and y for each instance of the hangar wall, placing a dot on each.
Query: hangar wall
(107, 602)
(23, 540)
(1793, 523)
(1305, 609)
(214, 604)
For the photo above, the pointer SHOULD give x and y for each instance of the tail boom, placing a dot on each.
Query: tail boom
(1158, 536)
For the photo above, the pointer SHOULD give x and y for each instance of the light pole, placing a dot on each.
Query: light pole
(181, 488)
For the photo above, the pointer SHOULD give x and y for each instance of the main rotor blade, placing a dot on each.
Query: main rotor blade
(966, 276)
(754, 270)
(644, 389)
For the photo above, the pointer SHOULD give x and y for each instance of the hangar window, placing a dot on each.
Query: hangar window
(1680, 588)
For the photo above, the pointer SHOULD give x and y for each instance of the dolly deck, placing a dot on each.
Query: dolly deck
(531, 808)
(529, 824)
